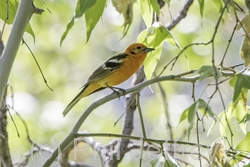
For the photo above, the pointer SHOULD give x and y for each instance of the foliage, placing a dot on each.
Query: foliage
(12, 6)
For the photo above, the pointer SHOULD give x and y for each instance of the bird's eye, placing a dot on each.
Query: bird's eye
(138, 47)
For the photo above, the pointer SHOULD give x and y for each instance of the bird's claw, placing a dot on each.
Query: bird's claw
(119, 92)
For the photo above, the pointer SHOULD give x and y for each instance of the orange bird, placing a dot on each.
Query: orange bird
(114, 71)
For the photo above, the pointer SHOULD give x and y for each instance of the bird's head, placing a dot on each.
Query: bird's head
(138, 48)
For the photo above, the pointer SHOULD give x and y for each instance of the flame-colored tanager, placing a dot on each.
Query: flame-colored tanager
(114, 71)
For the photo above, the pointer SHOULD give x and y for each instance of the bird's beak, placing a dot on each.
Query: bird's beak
(148, 50)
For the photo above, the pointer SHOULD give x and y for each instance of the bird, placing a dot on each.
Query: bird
(112, 72)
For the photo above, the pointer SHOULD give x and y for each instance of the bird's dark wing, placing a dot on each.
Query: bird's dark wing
(107, 68)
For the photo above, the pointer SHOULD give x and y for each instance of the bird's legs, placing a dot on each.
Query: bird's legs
(114, 89)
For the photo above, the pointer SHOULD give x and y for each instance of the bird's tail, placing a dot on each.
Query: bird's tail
(87, 90)
(74, 101)
(71, 105)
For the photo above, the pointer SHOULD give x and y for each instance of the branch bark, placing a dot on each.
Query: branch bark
(135, 89)
(7, 57)
(131, 102)
(23, 15)
(182, 14)
(128, 123)
(5, 158)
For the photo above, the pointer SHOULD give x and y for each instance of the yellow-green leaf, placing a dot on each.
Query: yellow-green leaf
(184, 115)
(147, 12)
(243, 81)
(153, 37)
(238, 112)
(246, 118)
(201, 3)
(208, 71)
(245, 22)
(242, 148)
(81, 7)
(93, 15)
(232, 81)
(247, 3)
(244, 145)
(155, 6)
(12, 9)
(218, 4)
(245, 51)
(189, 113)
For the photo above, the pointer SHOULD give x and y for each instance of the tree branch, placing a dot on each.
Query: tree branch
(5, 158)
(128, 123)
(131, 102)
(24, 12)
(231, 152)
(182, 14)
(180, 78)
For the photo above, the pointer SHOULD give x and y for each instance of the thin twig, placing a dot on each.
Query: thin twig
(179, 77)
(39, 68)
(140, 115)
(158, 141)
(198, 137)
(142, 124)
(182, 14)
(229, 42)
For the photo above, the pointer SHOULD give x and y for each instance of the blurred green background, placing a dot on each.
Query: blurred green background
(68, 67)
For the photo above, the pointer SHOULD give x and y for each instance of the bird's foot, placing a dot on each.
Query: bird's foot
(118, 91)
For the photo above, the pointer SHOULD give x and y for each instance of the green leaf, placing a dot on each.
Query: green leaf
(218, 4)
(245, 119)
(153, 37)
(205, 109)
(190, 127)
(151, 61)
(155, 6)
(81, 7)
(232, 81)
(238, 112)
(223, 123)
(30, 31)
(169, 161)
(208, 71)
(245, 51)
(246, 23)
(201, 3)
(93, 15)
(160, 160)
(69, 26)
(243, 81)
(247, 3)
(184, 115)
(12, 9)
(189, 113)
(211, 127)
(242, 148)
(244, 145)
(147, 12)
